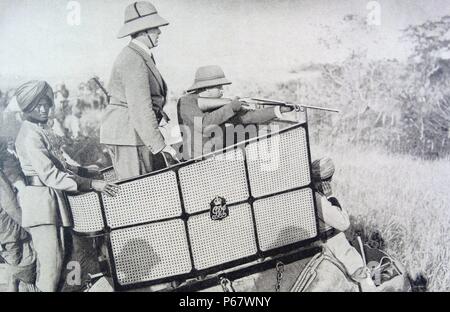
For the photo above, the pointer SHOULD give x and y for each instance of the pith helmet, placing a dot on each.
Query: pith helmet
(139, 16)
(209, 76)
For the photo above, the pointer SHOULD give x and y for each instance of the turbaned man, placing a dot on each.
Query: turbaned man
(47, 176)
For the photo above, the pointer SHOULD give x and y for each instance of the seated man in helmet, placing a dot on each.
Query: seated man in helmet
(203, 114)
(333, 221)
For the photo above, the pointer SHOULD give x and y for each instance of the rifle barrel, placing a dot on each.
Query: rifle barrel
(269, 101)
(322, 108)
(280, 103)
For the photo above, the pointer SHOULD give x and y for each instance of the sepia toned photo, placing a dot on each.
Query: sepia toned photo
(258, 146)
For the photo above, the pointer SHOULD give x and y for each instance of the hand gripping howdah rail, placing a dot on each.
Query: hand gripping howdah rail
(240, 205)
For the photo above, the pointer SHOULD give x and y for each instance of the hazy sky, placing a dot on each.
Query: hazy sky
(253, 40)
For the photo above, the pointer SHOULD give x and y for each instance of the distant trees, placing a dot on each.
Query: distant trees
(404, 106)
(426, 101)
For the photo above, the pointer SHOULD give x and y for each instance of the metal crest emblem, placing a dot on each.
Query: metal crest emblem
(219, 209)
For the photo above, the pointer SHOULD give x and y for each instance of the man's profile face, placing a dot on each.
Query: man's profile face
(153, 33)
(215, 92)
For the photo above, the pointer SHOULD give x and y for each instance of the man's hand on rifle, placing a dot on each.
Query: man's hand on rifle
(279, 110)
(286, 109)
(236, 105)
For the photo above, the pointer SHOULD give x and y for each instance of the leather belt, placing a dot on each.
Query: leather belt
(329, 234)
(160, 113)
(33, 181)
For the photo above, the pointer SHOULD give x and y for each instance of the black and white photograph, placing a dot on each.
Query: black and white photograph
(220, 146)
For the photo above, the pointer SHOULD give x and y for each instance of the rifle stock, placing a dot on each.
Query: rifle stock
(209, 104)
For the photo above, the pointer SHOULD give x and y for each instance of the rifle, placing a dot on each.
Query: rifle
(108, 97)
(296, 107)
(207, 104)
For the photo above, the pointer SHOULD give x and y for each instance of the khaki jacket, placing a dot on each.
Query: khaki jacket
(138, 94)
(39, 155)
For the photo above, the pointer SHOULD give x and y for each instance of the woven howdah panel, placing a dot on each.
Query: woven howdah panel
(109, 175)
(144, 200)
(222, 175)
(285, 219)
(278, 163)
(149, 252)
(204, 215)
(86, 213)
(217, 242)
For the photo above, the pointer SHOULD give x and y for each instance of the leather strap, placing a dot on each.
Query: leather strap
(119, 104)
(329, 234)
(160, 113)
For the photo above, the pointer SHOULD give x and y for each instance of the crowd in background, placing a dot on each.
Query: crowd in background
(69, 111)
(74, 118)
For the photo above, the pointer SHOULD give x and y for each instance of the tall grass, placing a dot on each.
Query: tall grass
(406, 199)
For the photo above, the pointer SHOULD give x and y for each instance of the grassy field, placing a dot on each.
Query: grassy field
(407, 200)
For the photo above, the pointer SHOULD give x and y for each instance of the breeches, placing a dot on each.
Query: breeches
(48, 243)
(130, 161)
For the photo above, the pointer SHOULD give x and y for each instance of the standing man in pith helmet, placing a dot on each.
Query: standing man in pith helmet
(130, 125)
